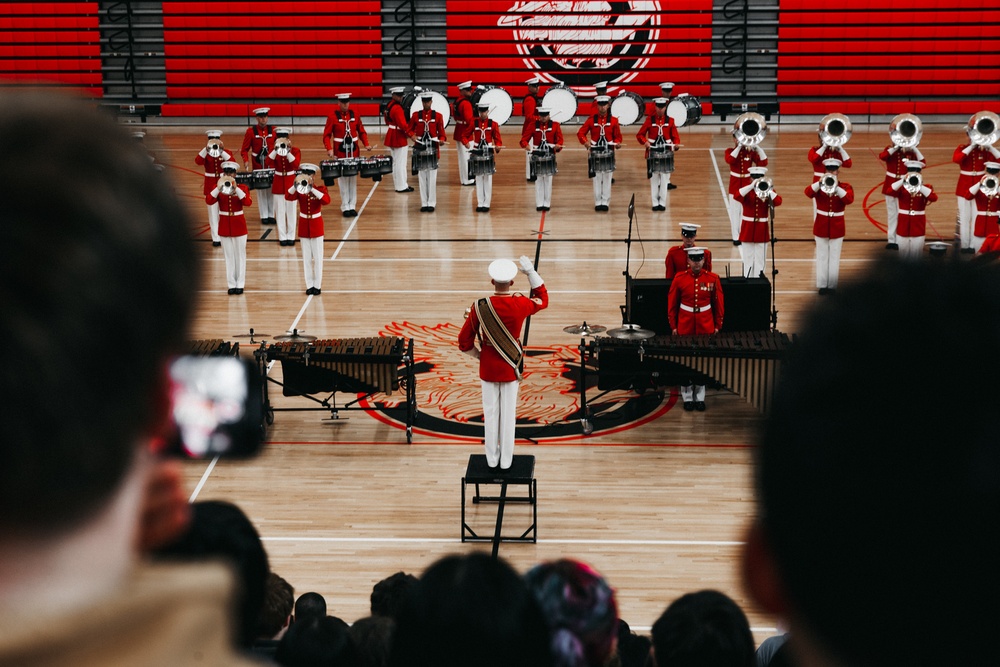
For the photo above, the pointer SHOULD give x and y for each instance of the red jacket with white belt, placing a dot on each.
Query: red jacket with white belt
(677, 261)
(232, 222)
(739, 166)
(512, 310)
(825, 152)
(912, 209)
(829, 222)
(285, 167)
(987, 213)
(213, 168)
(464, 116)
(428, 122)
(695, 304)
(756, 221)
(895, 165)
(338, 126)
(310, 207)
(397, 130)
(256, 139)
(972, 166)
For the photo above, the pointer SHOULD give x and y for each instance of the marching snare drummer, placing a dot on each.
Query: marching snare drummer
(231, 197)
(427, 129)
(971, 159)
(311, 196)
(528, 108)
(343, 131)
(905, 134)
(986, 200)
(659, 133)
(395, 139)
(600, 90)
(757, 199)
(257, 143)
(211, 158)
(284, 159)
(695, 305)
(543, 139)
(831, 197)
(601, 133)
(485, 142)
(913, 196)
(748, 131)
(464, 117)
(677, 257)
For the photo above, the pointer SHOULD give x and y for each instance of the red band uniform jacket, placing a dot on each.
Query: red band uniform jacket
(512, 311)
(310, 210)
(232, 222)
(695, 304)
(829, 222)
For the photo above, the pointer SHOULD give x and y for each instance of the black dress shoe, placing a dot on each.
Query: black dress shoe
(347, 214)
(232, 290)
(409, 188)
(545, 208)
(469, 183)
(597, 208)
(430, 209)
(317, 291)
(539, 208)
(268, 221)
(239, 290)
(486, 209)
(423, 209)
(353, 213)
(823, 291)
(532, 179)
(671, 186)
(968, 251)
(700, 406)
(688, 406)
(737, 242)
(892, 246)
(216, 244)
(479, 209)
(310, 290)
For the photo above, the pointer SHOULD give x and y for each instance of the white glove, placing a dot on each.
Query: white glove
(290, 157)
(841, 192)
(215, 192)
(240, 194)
(760, 152)
(815, 186)
(968, 149)
(994, 151)
(745, 189)
(920, 156)
(844, 154)
(527, 269)
(203, 152)
(272, 154)
(526, 266)
(924, 190)
(315, 192)
(893, 150)
(771, 194)
(736, 152)
(974, 188)
(897, 185)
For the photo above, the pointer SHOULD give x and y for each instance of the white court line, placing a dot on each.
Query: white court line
(441, 540)
(204, 478)
(718, 177)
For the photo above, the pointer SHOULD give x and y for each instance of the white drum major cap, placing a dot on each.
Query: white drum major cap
(503, 270)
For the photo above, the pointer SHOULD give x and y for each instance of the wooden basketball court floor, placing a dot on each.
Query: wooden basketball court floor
(659, 505)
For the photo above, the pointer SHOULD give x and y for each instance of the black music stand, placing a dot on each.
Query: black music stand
(521, 472)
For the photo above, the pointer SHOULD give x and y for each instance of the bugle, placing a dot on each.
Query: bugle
(913, 182)
(763, 187)
(828, 183)
(989, 185)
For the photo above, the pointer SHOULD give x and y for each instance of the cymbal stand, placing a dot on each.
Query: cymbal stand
(774, 269)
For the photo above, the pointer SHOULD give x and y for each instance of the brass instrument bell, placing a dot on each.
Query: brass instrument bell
(835, 130)
(984, 128)
(749, 129)
(905, 130)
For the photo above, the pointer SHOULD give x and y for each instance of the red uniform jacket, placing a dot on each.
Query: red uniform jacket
(533, 134)
(528, 106)
(595, 126)
(254, 141)
(310, 207)
(397, 129)
(512, 311)
(232, 222)
(987, 214)
(285, 167)
(654, 127)
(484, 129)
(912, 210)
(739, 167)
(213, 168)
(824, 152)
(677, 261)
(695, 304)
(972, 167)
(895, 167)
(429, 122)
(756, 224)
(991, 244)
(340, 125)
(829, 222)
(464, 115)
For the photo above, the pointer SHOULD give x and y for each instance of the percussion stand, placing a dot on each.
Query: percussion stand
(774, 270)
(627, 308)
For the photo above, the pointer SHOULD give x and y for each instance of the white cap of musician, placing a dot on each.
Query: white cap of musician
(603, 85)
(343, 96)
(308, 168)
(397, 90)
(464, 85)
(913, 165)
(230, 166)
(483, 106)
(695, 253)
(832, 162)
(283, 131)
(660, 101)
(261, 111)
(533, 81)
(427, 95)
(757, 171)
(543, 111)
(938, 247)
(213, 134)
(689, 228)
(138, 135)
(602, 99)
(503, 271)
(992, 167)
(667, 86)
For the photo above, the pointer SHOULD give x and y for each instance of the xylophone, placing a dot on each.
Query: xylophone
(745, 362)
(212, 347)
(380, 364)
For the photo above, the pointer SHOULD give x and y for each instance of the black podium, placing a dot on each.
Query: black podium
(521, 473)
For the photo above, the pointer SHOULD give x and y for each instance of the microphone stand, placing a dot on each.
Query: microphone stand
(627, 310)
(774, 270)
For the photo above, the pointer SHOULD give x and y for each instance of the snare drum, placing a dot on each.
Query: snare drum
(660, 162)
(562, 101)
(370, 167)
(384, 164)
(349, 166)
(244, 177)
(482, 165)
(262, 179)
(330, 170)
(543, 163)
(424, 160)
(684, 109)
(603, 161)
(439, 103)
(501, 104)
(628, 107)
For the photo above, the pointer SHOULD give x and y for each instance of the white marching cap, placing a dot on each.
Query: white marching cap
(992, 165)
(533, 81)
(603, 99)
(283, 130)
(261, 111)
(602, 84)
(695, 252)
(689, 227)
(543, 111)
(757, 170)
(427, 95)
(938, 247)
(213, 134)
(464, 85)
(832, 162)
(397, 90)
(667, 85)
(230, 165)
(503, 270)
(914, 164)
(139, 135)
(343, 96)
(484, 106)
(308, 168)
(660, 101)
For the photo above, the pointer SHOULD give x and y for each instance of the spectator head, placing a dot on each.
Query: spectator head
(316, 641)
(703, 629)
(387, 595)
(310, 605)
(580, 609)
(276, 611)
(372, 639)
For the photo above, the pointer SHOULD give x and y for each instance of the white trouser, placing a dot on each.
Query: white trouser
(499, 419)
(285, 214)
(428, 179)
(754, 257)
(348, 186)
(735, 217)
(602, 188)
(463, 163)
(977, 242)
(910, 247)
(312, 261)
(213, 221)
(828, 261)
(399, 167)
(234, 248)
(484, 189)
(891, 217)
(543, 191)
(966, 209)
(693, 392)
(658, 188)
(265, 202)
(527, 164)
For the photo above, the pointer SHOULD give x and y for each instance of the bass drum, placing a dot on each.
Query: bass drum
(439, 103)
(562, 102)
(628, 107)
(684, 109)
(501, 104)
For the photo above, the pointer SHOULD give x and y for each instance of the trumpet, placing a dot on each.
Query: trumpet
(829, 183)
(913, 182)
(983, 128)
(835, 129)
(303, 184)
(989, 185)
(749, 129)
(905, 130)
(763, 187)
(214, 148)
(227, 185)
(281, 147)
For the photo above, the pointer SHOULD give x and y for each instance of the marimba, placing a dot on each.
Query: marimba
(747, 363)
(213, 347)
(363, 366)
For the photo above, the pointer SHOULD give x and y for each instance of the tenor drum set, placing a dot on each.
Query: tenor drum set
(374, 167)
(425, 157)
(259, 179)
(439, 103)
(561, 99)
(628, 107)
(602, 160)
(501, 104)
(684, 109)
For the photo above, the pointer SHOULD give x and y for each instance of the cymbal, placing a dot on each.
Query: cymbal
(296, 337)
(252, 334)
(631, 332)
(585, 329)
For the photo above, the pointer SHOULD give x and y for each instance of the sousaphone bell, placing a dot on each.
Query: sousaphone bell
(984, 128)
(905, 130)
(835, 130)
(749, 129)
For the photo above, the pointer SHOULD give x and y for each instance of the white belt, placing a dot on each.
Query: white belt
(894, 175)
(341, 139)
(754, 219)
(735, 175)
(393, 127)
(990, 214)
(314, 215)
(972, 173)
(286, 173)
(818, 175)
(913, 212)
(208, 175)
(830, 215)
(696, 309)
(228, 213)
